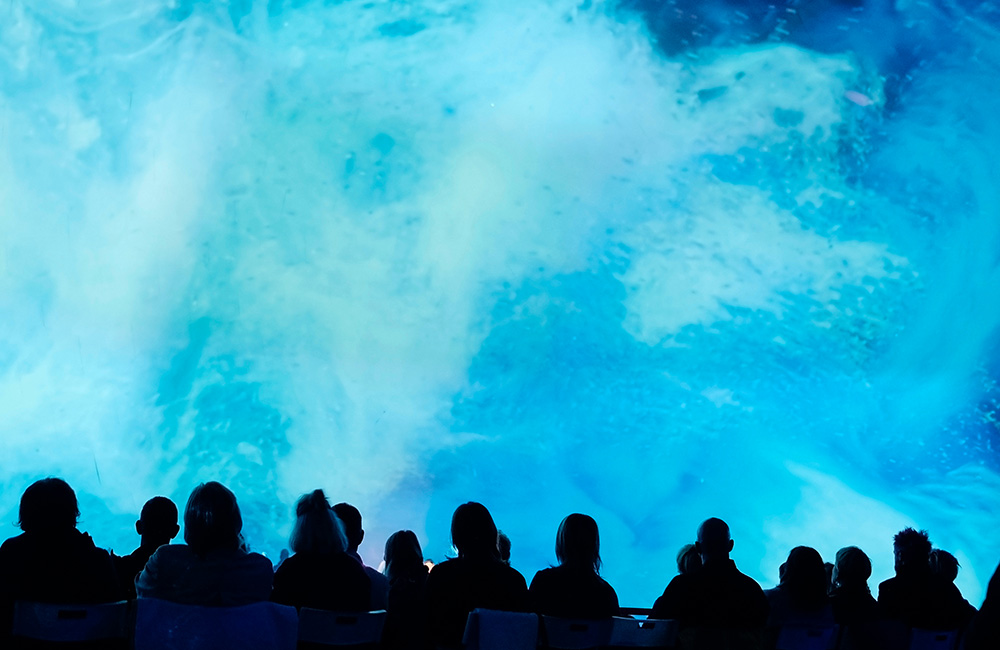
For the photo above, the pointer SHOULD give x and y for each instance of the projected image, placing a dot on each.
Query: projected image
(649, 261)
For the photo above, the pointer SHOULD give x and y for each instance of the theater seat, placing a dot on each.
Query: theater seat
(933, 639)
(575, 634)
(807, 637)
(40, 626)
(162, 625)
(639, 633)
(490, 629)
(342, 630)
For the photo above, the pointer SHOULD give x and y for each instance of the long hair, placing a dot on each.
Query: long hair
(473, 532)
(212, 519)
(578, 543)
(317, 529)
(805, 576)
(403, 555)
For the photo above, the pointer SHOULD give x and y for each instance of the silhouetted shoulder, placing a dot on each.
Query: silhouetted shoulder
(568, 593)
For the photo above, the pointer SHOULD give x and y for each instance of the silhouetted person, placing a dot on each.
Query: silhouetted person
(717, 606)
(984, 632)
(52, 561)
(800, 597)
(157, 525)
(688, 559)
(476, 578)
(503, 547)
(574, 589)
(320, 575)
(850, 597)
(406, 621)
(916, 596)
(213, 566)
(351, 518)
(944, 564)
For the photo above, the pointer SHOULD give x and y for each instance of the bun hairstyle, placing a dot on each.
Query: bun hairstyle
(317, 529)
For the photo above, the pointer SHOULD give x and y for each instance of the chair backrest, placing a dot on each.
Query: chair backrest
(575, 634)
(490, 629)
(933, 639)
(648, 633)
(162, 625)
(71, 623)
(322, 628)
(807, 637)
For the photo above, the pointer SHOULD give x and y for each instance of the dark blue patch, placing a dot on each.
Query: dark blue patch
(401, 28)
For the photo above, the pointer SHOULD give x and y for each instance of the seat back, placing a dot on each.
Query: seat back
(319, 628)
(162, 625)
(491, 629)
(575, 634)
(35, 624)
(648, 633)
(807, 637)
(933, 639)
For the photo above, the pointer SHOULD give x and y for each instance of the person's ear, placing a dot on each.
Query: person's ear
(361, 537)
(139, 527)
(174, 532)
(731, 543)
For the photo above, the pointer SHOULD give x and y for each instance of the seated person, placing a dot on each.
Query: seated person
(212, 567)
(157, 525)
(574, 589)
(916, 596)
(320, 575)
(850, 597)
(406, 619)
(715, 606)
(476, 578)
(944, 564)
(350, 517)
(52, 561)
(800, 598)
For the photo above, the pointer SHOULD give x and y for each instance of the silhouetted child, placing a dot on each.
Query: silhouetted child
(52, 561)
(574, 589)
(320, 575)
(850, 597)
(688, 560)
(351, 518)
(476, 578)
(157, 525)
(406, 621)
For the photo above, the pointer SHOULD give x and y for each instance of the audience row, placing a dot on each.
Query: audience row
(52, 561)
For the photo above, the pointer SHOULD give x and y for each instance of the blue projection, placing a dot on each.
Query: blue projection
(651, 261)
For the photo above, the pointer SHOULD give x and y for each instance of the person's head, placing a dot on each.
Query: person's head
(473, 532)
(157, 523)
(805, 576)
(212, 519)
(944, 564)
(912, 549)
(851, 568)
(503, 547)
(578, 544)
(714, 542)
(688, 560)
(317, 529)
(403, 556)
(351, 518)
(48, 506)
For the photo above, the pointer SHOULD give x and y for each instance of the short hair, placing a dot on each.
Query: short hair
(578, 542)
(350, 517)
(852, 566)
(317, 528)
(912, 546)
(403, 555)
(944, 564)
(160, 513)
(473, 531)
(713, 534)
(48, 505)
(212, 519)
